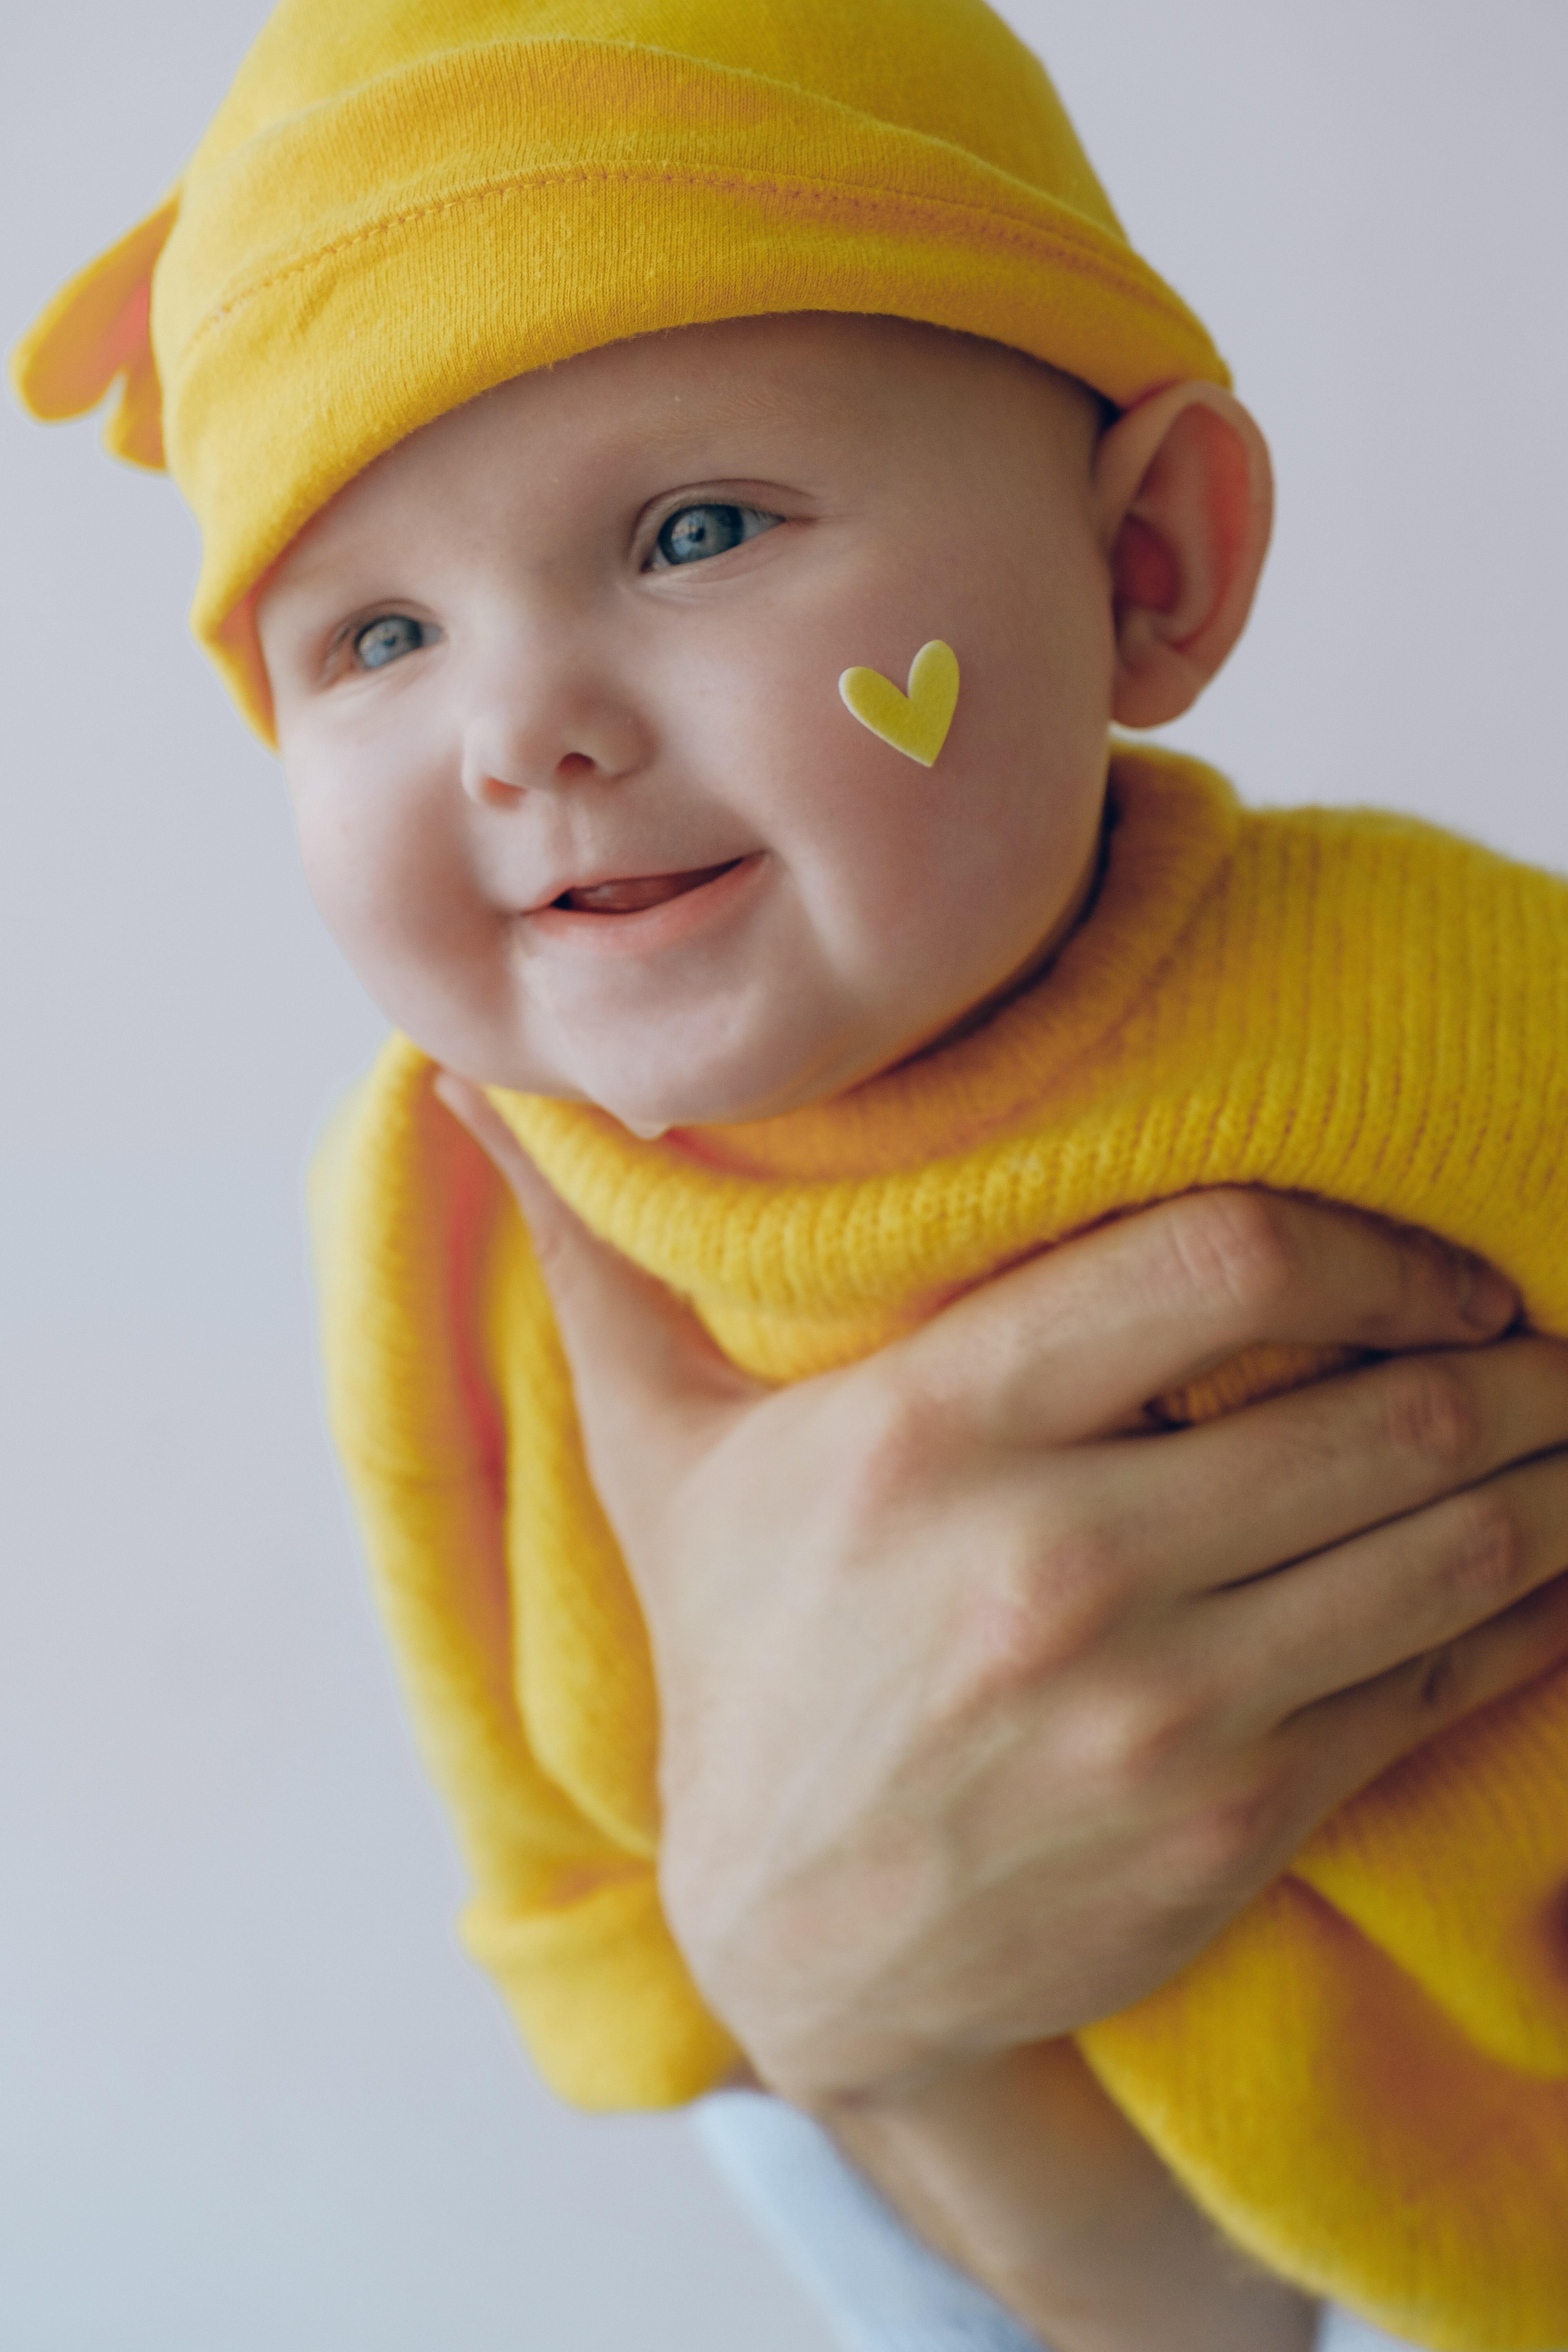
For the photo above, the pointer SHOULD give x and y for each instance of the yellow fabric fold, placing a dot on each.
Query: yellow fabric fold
(1366, 2079)
(399, 206)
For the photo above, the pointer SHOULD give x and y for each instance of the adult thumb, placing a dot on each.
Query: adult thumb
(653, 1392)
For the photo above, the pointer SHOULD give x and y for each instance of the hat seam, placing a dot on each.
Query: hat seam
(1074, 247)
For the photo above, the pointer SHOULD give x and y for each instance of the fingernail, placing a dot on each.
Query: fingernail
(1486, 1299)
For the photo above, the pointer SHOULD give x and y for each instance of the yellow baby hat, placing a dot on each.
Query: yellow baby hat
(401, 203)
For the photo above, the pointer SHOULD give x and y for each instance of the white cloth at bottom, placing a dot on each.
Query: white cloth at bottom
(880, 2289)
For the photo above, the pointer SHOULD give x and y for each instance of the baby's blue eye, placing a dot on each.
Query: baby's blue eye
(388, 639)
(696, 533)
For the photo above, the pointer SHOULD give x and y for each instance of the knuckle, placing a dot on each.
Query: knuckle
(1489, 1550)
(1236, 1248)
(1225, 1844)
(1418, 1270)
(1035, 1616)
(901, 1434)
(1140, 1733)
(1430, 1411)
(1490, 1568)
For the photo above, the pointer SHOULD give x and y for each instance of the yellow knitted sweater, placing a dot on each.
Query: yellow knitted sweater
(1366, 2079)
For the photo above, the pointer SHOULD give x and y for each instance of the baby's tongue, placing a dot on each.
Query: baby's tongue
(641, 891)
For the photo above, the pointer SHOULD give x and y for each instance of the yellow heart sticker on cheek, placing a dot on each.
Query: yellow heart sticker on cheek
(915, 723)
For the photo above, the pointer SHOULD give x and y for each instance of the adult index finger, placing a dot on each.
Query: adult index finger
(1074, 1343)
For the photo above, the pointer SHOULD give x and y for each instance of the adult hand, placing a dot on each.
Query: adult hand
(949, 1647)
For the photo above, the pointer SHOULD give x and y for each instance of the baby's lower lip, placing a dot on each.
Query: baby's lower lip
(639, 891)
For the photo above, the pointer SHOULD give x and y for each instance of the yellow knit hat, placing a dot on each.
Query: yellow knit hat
(401, 203)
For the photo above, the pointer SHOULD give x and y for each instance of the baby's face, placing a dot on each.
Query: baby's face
(556, 684)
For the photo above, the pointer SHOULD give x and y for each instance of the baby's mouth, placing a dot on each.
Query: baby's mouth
(639, 891)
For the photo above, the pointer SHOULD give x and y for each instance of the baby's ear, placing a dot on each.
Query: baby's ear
(1184, 496)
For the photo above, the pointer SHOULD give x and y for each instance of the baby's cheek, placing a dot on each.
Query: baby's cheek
(377, 872)
(963, 896)
(343, 858)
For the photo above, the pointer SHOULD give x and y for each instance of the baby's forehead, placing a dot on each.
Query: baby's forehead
(822, 377)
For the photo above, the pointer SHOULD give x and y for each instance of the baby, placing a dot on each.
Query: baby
(689, 503)
(557, 686)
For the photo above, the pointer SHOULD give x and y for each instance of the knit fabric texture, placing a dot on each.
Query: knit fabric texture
(402, 203)
(1365, 2080)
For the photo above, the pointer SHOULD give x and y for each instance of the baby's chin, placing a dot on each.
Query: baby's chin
(651, 1115)
(649, 1112)
(657, 1080)
(694, 1072)
(652, 1094)
(649, 1131)
(744, 1098)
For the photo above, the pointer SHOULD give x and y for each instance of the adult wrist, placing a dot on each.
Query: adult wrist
(1019, 2169)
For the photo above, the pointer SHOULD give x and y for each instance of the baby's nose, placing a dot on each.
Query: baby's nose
(507, 753)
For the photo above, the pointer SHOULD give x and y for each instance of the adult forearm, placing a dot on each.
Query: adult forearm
(1026, 2175)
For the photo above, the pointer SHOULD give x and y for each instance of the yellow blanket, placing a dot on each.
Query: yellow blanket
(1366, 2079)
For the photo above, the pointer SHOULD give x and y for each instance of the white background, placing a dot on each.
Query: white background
(250, 2093)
